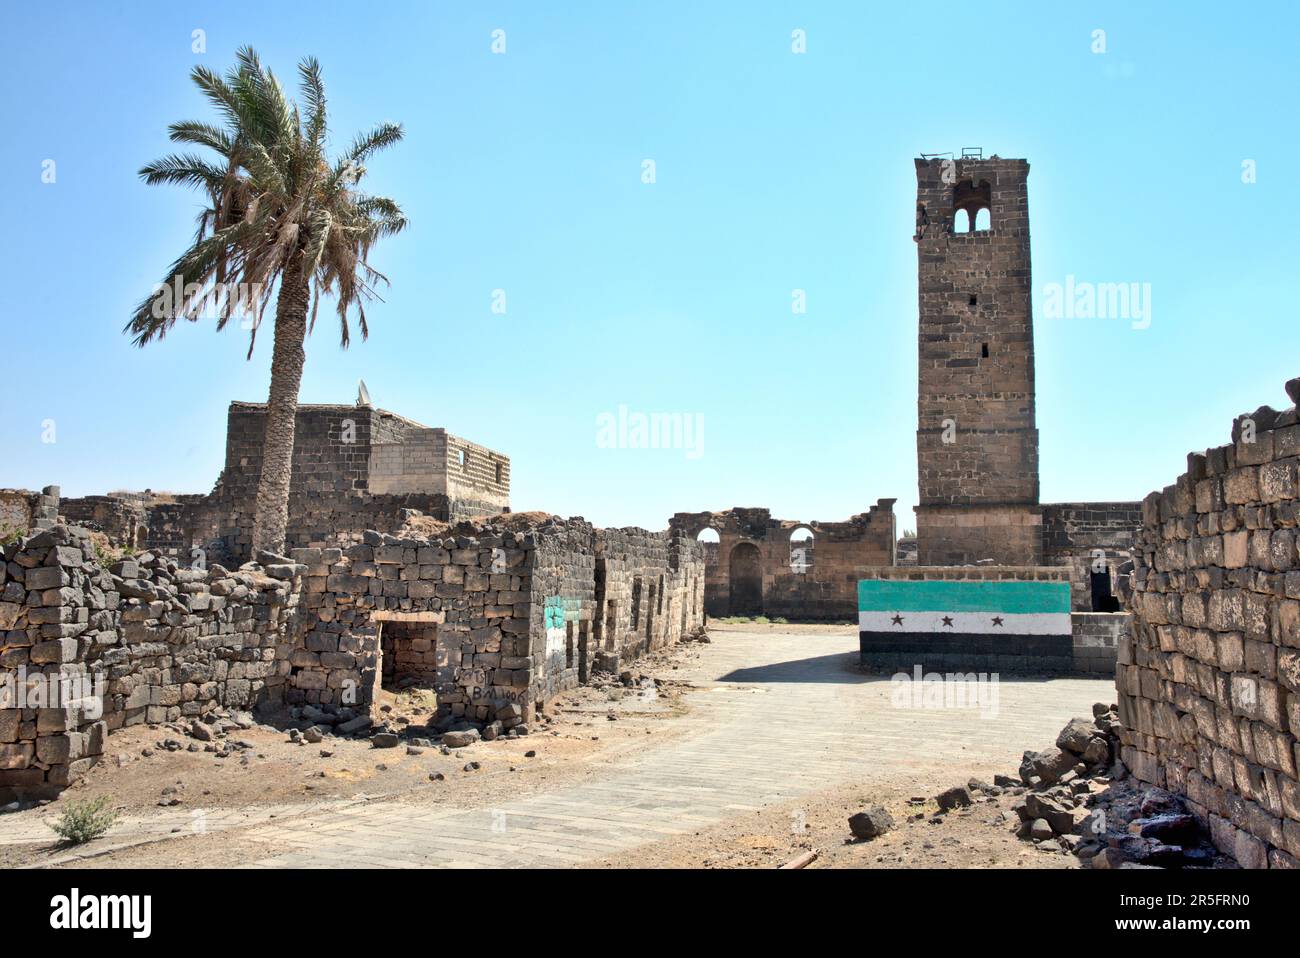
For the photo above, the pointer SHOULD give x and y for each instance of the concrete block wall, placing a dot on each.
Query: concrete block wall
(1097, 638)
(1209, 682)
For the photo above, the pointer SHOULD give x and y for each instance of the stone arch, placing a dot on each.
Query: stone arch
(711, 542)
(801, 550)
(746, 575)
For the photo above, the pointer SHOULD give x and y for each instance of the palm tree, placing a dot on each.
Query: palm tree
(278, 215)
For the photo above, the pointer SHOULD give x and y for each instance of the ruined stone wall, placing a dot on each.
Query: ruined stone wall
(22, 510)
(1082, 535)
(977, 441)
(500, 621)
(759, 570)
(477, 619)
(1209, 683)
(165, 524)
(510, 615)
(156, 642)
(649, 593)
(356, 468)
(563, 592)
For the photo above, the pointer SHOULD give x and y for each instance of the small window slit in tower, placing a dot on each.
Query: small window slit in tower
(973, 299)
(984, 350)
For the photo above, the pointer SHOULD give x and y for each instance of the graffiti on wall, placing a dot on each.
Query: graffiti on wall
(558, 613)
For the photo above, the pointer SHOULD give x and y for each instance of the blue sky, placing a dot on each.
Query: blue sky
(775, 171)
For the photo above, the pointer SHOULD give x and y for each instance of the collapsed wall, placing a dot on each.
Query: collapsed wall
(86, 649)
(1209, 682)
(497, 620)
(22, 510)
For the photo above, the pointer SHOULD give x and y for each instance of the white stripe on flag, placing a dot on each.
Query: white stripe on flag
(970, 623)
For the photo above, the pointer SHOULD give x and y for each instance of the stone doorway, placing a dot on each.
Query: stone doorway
(746, 574)
(1102, 599)
(408, 655)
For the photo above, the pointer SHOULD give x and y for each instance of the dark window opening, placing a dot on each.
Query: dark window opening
(973, 300)
(973, 201)
(984, 350)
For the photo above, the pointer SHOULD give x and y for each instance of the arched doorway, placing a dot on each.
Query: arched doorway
(746, 580)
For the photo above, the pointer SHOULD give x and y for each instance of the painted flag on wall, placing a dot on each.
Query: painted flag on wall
(954, 617)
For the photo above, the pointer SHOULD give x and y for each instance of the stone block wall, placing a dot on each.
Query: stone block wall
(22, 510)
(85, 649)
(510, 615)
(477, 619)
(649, 593)
(965, 534)
(501, 621)
(355, 468)
(1209, 683)
(1097, 638)
(757, 569)
(976, 438)
(477, 478)
(1082, 534)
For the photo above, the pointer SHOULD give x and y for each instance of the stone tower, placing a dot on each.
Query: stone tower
(976, 439)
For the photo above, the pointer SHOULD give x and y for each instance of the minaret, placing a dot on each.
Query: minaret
(976, 438)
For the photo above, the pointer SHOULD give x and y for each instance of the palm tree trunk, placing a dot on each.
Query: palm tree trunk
(272, 510)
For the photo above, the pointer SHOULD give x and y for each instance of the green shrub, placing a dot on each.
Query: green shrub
(83, 821)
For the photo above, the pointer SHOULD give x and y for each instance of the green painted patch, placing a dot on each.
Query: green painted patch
(889, 595)
(558, 609)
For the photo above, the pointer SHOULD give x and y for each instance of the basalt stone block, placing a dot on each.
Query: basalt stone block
(56, 651)
(46, 577)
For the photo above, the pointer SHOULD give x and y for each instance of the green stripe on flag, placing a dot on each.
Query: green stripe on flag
(890, 595)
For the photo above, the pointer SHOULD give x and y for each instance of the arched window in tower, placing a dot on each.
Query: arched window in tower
(968, 202)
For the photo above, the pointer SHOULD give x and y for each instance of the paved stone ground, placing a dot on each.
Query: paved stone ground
(779, 715)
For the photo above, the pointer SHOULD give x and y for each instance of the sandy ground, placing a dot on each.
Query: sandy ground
(582, 734)
(981, 836)
(574, 738)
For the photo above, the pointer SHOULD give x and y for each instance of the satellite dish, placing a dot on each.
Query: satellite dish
(363, 394)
